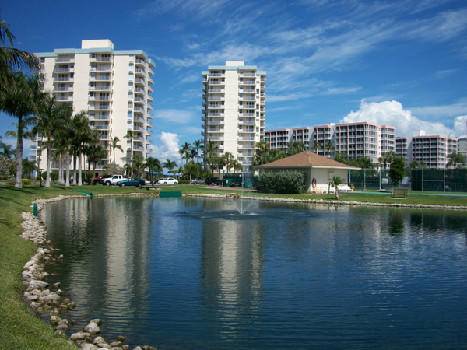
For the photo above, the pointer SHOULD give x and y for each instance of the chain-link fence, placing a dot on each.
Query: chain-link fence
(370, 179)
(445, 180)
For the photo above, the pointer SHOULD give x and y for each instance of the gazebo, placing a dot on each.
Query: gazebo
(318, 170)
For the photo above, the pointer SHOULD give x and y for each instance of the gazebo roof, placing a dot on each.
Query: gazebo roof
(306, 159)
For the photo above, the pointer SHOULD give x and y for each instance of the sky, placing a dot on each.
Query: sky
(402, 63)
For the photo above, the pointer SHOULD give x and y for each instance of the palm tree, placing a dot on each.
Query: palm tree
(229, 160)
(170, 166)
(153, 165)
(185, 152)
(82, 135)
(11, 58)
(115, 145)
(63, 146)
(316, 146)
(51, 117)
(7, 150)
(295, 147)
(130, 134)
(210, 154)
(329, 147)
(94, 153)
(197, 147)
(455, 159)
(262, 153)
(19, 101)
(335, 182)
(28, 167)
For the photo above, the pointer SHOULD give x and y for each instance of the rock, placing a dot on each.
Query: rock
(92, 328)
(116, 344)
(79, 336)
(138, 348)
(96, 321)
(87, 346)
(62, 325)
(121, 338)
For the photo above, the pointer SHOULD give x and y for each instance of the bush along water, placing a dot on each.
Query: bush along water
(287, 181)
(48, 300)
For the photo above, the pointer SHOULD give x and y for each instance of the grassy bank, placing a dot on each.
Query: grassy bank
(19, 328)
(427, 198)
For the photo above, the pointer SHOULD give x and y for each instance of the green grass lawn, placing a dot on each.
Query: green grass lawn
(19, 328)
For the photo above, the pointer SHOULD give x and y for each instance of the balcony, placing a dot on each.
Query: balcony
(64, 98)
(104, 105)
(65, 59)
(102, 77)
(63, 89)
(101, 59)
(62, 78)
(101, 68)
(99, 98)
(98, 87)
(58, 70)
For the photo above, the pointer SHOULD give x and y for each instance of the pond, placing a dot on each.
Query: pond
(197, 274)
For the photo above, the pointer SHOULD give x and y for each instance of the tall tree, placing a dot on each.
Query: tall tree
(130, 134)
(396, 170)
(51, 117)
(115, 144)
(170, 166)
(82, 135)
(19, 101)
(185, 152)
(210, 155)
(455, 159)
(11, 58)
(197, 146)
(154, 165)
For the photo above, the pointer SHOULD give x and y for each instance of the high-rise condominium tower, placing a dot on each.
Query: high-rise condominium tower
(234, 109)
(113, 87)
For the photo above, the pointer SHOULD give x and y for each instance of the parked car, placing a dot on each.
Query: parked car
(96, 180)
(197, 182)
(213, 181)
(131, 182)
(113, 180)
(167, 181)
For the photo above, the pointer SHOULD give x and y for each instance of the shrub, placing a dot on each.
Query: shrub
(289, 181)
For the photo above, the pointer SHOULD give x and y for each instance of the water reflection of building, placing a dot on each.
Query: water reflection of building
(232, 263)
(106, 242)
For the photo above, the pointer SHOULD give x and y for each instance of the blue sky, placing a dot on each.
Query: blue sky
(397, 62)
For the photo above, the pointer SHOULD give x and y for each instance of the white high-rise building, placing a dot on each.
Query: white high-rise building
(114, 88)
(234, 109)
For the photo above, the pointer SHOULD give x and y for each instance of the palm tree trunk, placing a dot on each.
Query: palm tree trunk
(19, 154)
(39, 175)
(74, 170)
(80, 170)
(67, 171)
(49, 161)
(60, 169)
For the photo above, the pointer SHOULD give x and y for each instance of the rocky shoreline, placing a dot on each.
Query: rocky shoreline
(327, 202)
(47, 300)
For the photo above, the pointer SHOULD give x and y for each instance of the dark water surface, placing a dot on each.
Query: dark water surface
(194, 274)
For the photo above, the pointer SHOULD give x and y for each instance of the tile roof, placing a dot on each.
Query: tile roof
(306, 159)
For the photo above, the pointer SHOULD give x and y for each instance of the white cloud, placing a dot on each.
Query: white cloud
(199, 9)
(460, 125)
(177, 116)
(449, 110)
(392, 113)
(167, 147)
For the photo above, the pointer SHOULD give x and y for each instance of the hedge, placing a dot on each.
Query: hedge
(286, 181)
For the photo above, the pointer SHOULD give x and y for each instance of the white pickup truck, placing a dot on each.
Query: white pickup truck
(112, 180)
